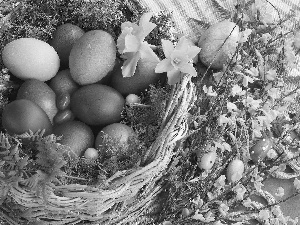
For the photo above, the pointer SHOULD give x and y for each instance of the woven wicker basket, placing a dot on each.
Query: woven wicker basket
(128, 194)
(134, 190)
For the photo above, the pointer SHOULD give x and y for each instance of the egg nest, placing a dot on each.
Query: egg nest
(18, 22)
(39, 19)
(184, 184)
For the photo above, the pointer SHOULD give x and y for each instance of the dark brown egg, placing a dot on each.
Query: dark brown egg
(63, 101)
(63, 82)
(117, 131)
(23, 115)
(41, 94)
(63, 116)
(76, 135)
(63, 39)
(97, 104)
(140, 81)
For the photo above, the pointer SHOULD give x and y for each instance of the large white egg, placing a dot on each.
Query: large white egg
(30, 58)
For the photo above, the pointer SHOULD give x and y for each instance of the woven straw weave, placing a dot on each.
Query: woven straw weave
(204, 10)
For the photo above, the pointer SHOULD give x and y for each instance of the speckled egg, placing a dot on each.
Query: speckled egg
(92, 56)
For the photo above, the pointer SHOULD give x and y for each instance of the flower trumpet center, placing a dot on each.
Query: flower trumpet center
(178, 59)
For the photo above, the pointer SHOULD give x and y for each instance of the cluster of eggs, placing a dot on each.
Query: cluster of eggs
(72, 85)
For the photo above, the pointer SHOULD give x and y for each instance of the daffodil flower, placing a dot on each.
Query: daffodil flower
(178, 59)
(131, 44)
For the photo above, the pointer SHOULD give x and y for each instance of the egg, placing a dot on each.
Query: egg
(63, 101)
(218, 43)
(30, 58)
(63, 39)
(117, 131)
(185, 212)
(63, 82)
(132, 99)
(23, 115)
(260, 149)
(76, 135)
(41, 94)
(97, 104)
(235, 170)
(91, 154)
(207, 161)
(63, 116)
(140, 81)
(92, 57)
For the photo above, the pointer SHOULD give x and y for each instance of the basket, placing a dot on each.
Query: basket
(132, 196)
(127, 193)
(132, 192)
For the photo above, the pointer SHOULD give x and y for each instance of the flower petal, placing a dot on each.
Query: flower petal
(179, 58)
(183, 44)
(145, 18)
(129, 66)
(147, 52)
(132, 44)
(168, 47)
(193, 51)
(128, 25)
(121, 39)
(164, 66)
(145, 26)
(173, 76)
(188, 68)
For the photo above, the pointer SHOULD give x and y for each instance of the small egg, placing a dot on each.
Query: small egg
(235, 170)
(63, 101)
(63, 116)
(30, 58)
(207, 160)
(185, 212)
(63, 82)
(91, 154)
(167, 223)
(132, 99)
